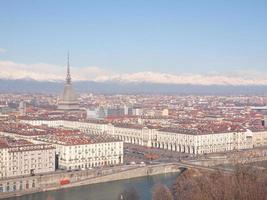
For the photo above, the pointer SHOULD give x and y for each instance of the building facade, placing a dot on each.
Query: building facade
(259, 138)
(21, 158)
(84, 152)
(164, 139)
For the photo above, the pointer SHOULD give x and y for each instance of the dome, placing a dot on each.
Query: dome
(68, 94)
(68, 99)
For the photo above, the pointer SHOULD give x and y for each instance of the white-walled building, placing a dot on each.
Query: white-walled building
(259, 138)
(170, 139)
(80, 151)
(165, 112)
(21, 157)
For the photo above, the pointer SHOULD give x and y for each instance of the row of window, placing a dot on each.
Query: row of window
(15, 186)
(95, 164)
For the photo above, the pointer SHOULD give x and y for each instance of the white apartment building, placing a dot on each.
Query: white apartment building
(174, 140)
(259, 138)
(85, 152)
(202, 143)
(222, 142)
(20, 158)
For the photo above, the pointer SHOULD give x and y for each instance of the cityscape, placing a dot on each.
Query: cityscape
(139, 134)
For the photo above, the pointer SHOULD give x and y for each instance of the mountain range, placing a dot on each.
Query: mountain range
(118, 87)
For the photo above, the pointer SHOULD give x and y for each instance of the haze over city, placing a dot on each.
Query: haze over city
(133, 100)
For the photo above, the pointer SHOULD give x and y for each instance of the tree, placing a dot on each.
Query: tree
(245, 183)
(129, 194)
(161, 192)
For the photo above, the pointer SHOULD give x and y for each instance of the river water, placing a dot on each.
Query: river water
(104, 191)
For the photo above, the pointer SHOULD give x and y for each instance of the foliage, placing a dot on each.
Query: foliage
(244, 183)
(161, 192)
(129, 194)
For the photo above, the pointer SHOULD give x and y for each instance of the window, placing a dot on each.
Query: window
(14, 186)
(27, 185)
(20, 185)
(7, 186)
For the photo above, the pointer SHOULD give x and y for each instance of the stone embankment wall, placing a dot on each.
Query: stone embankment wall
(23, 185)
(211, 162)
(133, 173)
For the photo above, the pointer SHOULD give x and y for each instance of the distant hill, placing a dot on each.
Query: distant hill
(113, 87)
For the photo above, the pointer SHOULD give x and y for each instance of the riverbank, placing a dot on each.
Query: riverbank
(52, 182)
(106, 191)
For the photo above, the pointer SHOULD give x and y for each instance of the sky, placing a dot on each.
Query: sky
(168, 41)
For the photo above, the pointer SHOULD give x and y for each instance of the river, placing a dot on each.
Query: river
(104, 191)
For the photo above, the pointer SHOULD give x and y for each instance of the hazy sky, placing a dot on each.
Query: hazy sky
(127, 36)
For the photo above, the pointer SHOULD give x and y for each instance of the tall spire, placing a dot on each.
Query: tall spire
(68, 78)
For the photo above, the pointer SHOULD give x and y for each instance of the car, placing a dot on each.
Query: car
(142, 163)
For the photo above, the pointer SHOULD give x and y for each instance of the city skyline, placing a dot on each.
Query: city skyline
(203, 43)
(146, 99)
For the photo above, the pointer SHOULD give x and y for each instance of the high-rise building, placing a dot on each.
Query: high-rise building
(22, 108)
(68, 99)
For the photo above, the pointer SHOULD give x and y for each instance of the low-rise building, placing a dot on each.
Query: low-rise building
(260, 138)
(75, 150)
(21, 157)
(225, 137)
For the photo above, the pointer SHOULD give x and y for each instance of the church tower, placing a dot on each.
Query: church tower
(68, 99)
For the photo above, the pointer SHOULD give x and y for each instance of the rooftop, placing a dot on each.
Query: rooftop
(15, 145)
(24, 129)
(71, 139)
(207, 128)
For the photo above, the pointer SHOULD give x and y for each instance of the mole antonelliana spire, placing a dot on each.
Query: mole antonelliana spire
(68, 98)
(68, 78)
